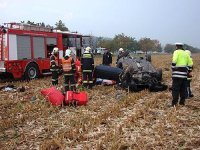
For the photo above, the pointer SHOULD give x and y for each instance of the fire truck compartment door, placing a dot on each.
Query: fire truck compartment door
(12, 47)
(51, 41)
(23, 47)
(38, 47)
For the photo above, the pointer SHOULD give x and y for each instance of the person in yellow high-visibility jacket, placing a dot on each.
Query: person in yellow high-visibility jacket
(189, 78)
(180, 63)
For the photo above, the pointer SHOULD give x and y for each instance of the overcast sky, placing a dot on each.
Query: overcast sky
(168, 21)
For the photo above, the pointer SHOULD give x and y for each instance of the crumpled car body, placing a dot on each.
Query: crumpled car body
(133, 74)
(139, 73)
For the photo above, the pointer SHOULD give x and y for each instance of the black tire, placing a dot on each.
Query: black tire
(158, 87)
(159, 74)
(31, 72)
(119, 65)
(148, 57)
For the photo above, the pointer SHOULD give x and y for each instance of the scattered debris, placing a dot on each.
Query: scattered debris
(12, 88)
(100, 81)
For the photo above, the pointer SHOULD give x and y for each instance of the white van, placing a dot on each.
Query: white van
(100, 50)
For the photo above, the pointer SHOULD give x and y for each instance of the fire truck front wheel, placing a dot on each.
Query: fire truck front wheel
(31, 72)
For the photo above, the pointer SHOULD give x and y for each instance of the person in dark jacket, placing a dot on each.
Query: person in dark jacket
(189, 77)
(87, 66)
(54, 66)
(107, 58)
(69, 70)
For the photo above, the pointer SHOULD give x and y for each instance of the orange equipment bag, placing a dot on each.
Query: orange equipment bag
(80, 98)
(53, 95)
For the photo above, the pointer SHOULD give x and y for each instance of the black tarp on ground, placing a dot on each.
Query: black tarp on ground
(107, 72)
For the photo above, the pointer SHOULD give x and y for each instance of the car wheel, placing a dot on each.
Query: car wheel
(119, 65)
(159, 74)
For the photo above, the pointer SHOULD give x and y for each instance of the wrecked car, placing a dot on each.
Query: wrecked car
(133, 73)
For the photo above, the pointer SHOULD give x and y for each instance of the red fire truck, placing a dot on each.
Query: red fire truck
(25, 49)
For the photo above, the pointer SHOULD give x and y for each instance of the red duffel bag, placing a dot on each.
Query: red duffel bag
(53, 95)
(76, 98)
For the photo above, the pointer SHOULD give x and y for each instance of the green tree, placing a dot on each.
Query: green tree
(105, 43)
(156, 46)
(134, 45)
(126, 42)
(118, 41)
(99, 41)
(121, 40)
(61, 26)
(146, 44)
(31, 22)
(191, 48)
(41, 24)
(169, 48)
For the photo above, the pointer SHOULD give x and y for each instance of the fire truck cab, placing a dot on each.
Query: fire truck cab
(25, 49)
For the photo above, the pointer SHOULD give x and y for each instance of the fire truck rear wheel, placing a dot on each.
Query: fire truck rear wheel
(31, 72)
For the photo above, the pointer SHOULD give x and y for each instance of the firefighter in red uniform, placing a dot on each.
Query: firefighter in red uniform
(54, 66)
(68, 70)
(78, 74)
(87, 65)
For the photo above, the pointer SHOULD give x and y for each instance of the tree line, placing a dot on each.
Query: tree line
(169, 48)
(144, 44)
(121, 40)
(130, 43)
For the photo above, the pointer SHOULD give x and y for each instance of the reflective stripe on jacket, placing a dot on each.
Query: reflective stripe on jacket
(67, 64)
(180, 64)
(87, 61)
(53, 63)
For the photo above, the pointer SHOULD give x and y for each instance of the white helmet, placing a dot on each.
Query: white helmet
(55, 50)
(181, 44)
(87, 49)
(188, 52)
(68, 52)
(121, 50)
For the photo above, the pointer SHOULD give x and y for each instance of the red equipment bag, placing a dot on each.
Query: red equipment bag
(76, 98)
(54, 96)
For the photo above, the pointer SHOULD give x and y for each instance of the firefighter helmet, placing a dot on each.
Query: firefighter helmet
(68, 52)
(181, 44)
(121, 50)
(87, 49)
(55, 50)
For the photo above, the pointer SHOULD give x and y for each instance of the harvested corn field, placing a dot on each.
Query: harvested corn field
(112, 119)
